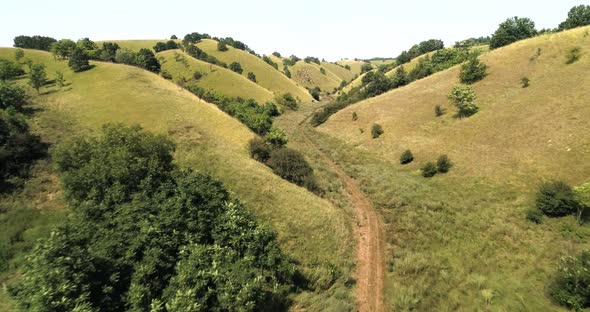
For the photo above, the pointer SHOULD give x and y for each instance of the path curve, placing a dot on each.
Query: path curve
(370, 255)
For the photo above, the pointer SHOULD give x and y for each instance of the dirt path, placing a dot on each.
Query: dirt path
(370, 259)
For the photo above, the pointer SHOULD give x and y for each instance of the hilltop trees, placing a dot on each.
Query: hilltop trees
(463, 97)
(109, 51)
(37, 76)
(578, 16)
(221, 46)
(63, 49)
(34, 42)
(79, 61)
(146, 59)
(163, 46)
(419, 49)
(512, 30)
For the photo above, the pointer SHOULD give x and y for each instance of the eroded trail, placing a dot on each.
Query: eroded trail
(370, 259)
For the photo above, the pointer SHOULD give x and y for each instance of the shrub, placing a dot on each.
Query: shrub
(322, 70)
(376, 130)
(443, 164)
(535, 216)
(406, 157)
(9, 69)
(125, 56)
(315, 93)
(79, 61)
(525, 82)
(439, 110)
(571, 284)
(573, 55)
(19, 54)
(251, 76)
(290, 165)
(11, 96)
(236, 67)
(473, 71)
(146, 59)
(259, 150)
(556, 199)
(221, 46)
(354, 116)
(463, 98)
(287, 72)
(276, 137)
(428, 170)
(37, 76)
(197, 75)
(287, 100)
(60, 82)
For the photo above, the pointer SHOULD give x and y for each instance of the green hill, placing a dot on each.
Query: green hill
(266, 75)
(214, 77)
(136, 45)
(460, 240)
(310, 229)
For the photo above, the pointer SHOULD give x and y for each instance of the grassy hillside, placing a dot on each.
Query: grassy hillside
(136, 45)
(214, 77)
(460, 240)
(311, 230)
(339, 71)
(310, 76)
(266, 75)
(355, 66)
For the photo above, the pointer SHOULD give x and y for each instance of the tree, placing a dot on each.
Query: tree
(79, 61)
(571, 284)
(146, 59)
(277, 54)
(556, 199)
(59, 79)
(443, 164)
(34, 42)
(406, 157)
(9, 69)
(37, 76)
(19, 54)
(236, 67)
(173, 37)
(376, 130)
(403, 58)
(86, 44)
(63, 49)
(252, 76)
(276, 137)
(287, 100)
(473, 71)
(577, 16)
(315, 93)
(400, 78)
(109, 51)
(290, 165)
(583, 199)
(366, 67)
(221, 46)
(429, 170)
(463, 97)
(512, 30)
(11, 96)
(259, 150)
(125, 56)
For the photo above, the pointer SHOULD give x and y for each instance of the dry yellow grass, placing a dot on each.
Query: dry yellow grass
(215, 78)
(309, 76)
(339, 71)
(136, 45)
(355, 66)
(266, 75)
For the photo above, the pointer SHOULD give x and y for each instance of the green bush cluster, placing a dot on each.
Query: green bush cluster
(406, 157)
(443, 165)
(34, 42)
(571, 285)
(9, 69)
(473, 71)
(556, 199)
(163, 46)
(376, 130)
(463, 97)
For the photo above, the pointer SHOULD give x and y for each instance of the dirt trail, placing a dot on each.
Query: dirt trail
(370, 259)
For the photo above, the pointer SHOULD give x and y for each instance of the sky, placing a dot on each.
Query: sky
(332, 29)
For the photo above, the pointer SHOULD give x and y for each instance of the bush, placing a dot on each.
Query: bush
(571, 284)
(146, 59)
(443, 164)
(37, 76)
(556, 199)
(439, 110)
(315, 93)
(525, 82)
(535, 216)
(79, 60)
(573, 55)
(512, 30)
(251, 76)
(406, 157)
(236, 67)
(276, 137)
(428, 170)
(259, 150)
(125, 56)
(376, 130)
(197, 75)
(463, 98)
(355, 117)
(287, 100)
(473, 71)
(9, 69)
(11, 96)
(221, 46)
(290, 165)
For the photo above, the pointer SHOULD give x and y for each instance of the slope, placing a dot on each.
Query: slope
(136, 45)
(339, 71)
(460, 241)
(309, 228)
(214, 77)
(355, 66)
(309, 75)
(266, 75)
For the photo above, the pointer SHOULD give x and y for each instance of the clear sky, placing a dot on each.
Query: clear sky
(326, 29)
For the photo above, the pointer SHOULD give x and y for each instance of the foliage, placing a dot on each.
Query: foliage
(79, 61)
(315, 93)
(173, 37)
(354, 116)
(419, 49)
(463, 97)
(443, 164)
(429, 170)
(147, 60)
(400, 78)
(251, 76)
(406, 157)
(19, 54)
(525, 82)
(311, 59)
(86, 44)
(259, 149)
(63, 49)
(37, 76)
(571, 285)
(573, 55)
(471, 42)
(535, 216)
(290, 165)
(199, 54)
(473, 71)
(556, 199)
(195, 37)
(236, 67)
(512, 30)
(366, 67)
(322, 71)
(163, 46)
(287, 100)
(277, 54)
(175, 238)
(276, 137)
(577, 16)
(376, 130)
(290, 61)
(109, 51)
(269, 61)
(59, 79)
(125, 56)
(287, 72)
(34, 42)
(9, 69)
(11, 96)
(439, 110)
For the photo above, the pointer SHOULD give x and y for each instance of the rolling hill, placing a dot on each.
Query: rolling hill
(266, 75)
(309, 75)
(136, 45)
(219, 79)
(310, 229)
(339, 71)
(355, 66)
(460, 240)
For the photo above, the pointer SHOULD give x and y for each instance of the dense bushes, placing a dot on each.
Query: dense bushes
(428, 170)
(571, 284)
(406, 157)
(34, 42)
(9, 69)
(147, 60)
(63, 49)
(236, 67)
(419, 49)
(473, 71)
(578, 16)
(199, 54)
(443, 164)
(290, 165)
(315, 93)
(163, 46)
(463, 97)
(512, 30)
(251, 76)
(269, 61)
(556, 199)
(287, 100)
(11, 96)
(79, 61)
(311, 59)
(156, 238)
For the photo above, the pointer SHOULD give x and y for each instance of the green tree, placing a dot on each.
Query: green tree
(19, 54)
(463, 97)
(9, 69)
(473, 71)
(429, 170)
(315, 93)
(146, 59)
(290, 165)
(376, 130)
(571, 284)
(59, 79)
(236, 67)
(276, 137)
(512, 30)
(406, 157)
(366, 67)
(221, 46)
(11, 96)
(259, 149)
(443, 164)
(556, 199)
(125, 56)
(63, 49)
(578, 16)
(86, 44)
(400, 78)
(37, 76)
(79, 61)
(583, 199)
(252, 76)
